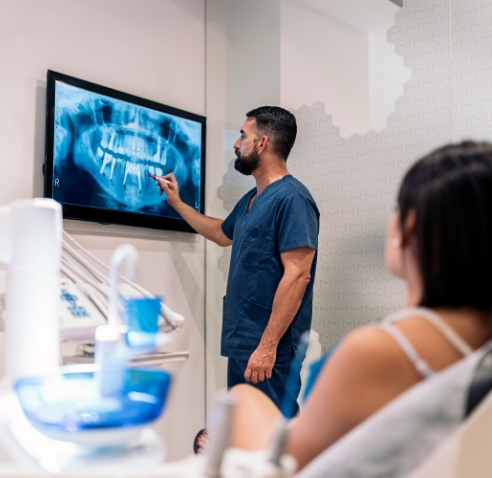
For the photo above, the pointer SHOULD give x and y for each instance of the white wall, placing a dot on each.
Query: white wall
(150, 48)
(324, 59)
(387, 75)
(337, 53)
(256, 40)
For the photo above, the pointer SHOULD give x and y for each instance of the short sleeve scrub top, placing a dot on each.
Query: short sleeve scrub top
(282, 218)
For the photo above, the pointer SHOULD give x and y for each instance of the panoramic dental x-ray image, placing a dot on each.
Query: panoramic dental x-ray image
(105, 150)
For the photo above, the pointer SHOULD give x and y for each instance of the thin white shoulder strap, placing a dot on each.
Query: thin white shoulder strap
(408, 349)
(455, 340)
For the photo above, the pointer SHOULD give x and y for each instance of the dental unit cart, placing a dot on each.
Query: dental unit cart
(90, 419)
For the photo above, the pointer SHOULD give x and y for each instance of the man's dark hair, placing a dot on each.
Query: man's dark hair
(279, 125)
(450, 192)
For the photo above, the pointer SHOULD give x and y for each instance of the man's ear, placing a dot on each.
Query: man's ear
(262, 144)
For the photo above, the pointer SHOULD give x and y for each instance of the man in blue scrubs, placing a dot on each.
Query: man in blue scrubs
(274, 235)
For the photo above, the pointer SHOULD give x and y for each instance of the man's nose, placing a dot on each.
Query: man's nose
(237, 143)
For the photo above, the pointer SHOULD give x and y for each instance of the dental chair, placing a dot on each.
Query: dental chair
(441, 425)
(427, 426)
(466, 453)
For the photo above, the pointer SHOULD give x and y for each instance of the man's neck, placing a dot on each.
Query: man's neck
(266, 175)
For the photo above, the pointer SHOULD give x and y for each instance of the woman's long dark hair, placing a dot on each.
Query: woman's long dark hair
(450, 192)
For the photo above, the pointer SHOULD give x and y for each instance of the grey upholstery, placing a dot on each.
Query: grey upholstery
(398, 438)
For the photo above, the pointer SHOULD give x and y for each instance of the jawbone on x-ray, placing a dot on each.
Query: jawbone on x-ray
(105, 149)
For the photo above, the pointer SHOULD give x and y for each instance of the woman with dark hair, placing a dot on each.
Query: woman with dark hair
(439, 241)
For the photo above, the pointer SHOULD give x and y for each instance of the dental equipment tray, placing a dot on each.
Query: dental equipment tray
(70, 401)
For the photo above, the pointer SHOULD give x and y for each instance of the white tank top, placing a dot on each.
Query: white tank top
(419, 363)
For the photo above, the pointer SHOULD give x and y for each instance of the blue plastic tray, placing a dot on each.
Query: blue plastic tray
(70, 401)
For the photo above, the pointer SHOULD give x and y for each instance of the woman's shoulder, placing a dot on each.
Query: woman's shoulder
(365, 372)
(368, 341)
(371, 354)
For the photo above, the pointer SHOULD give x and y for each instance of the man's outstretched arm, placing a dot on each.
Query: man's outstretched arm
(208, 227)
(288, 297)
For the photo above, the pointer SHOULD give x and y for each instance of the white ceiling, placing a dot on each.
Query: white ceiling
(367, 15)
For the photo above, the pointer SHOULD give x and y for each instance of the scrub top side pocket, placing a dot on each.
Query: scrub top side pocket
(253, 320)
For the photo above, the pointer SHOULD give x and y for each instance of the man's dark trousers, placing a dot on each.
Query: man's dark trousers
(273, 387)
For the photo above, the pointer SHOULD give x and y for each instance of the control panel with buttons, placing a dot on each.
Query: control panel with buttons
(79, 316)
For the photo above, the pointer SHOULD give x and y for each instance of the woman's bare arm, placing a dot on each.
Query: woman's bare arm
(366, 372)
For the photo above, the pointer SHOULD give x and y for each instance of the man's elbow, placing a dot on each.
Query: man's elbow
(223, 241)
(305, 279)
(219, 236)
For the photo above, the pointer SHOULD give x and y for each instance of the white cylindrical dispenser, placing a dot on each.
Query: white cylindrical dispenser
(32, 324)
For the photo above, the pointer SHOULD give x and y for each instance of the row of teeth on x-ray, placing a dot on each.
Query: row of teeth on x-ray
(136, 156)
(131, 168)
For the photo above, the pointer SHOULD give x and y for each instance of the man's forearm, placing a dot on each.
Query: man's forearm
(286, 303)
(209, 227)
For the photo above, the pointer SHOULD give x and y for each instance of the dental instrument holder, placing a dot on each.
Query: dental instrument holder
(221, 437)
(30, 245)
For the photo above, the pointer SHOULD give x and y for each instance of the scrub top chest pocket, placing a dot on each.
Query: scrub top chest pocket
(257, 251)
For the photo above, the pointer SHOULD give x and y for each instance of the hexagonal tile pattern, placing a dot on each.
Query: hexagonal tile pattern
(354, 180)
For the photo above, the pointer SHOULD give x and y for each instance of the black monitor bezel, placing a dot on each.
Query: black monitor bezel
(106, 216)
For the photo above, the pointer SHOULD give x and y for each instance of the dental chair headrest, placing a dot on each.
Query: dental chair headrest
(481, 383)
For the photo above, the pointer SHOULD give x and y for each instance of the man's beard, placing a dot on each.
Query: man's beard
(247, 164)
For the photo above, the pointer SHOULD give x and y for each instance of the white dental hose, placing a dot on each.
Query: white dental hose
(85, 264)
(77, 274)
(172, 319)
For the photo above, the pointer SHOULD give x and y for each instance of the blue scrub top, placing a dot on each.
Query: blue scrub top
(282, 218)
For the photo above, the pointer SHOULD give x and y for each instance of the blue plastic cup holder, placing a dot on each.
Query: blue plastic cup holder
(142, 315)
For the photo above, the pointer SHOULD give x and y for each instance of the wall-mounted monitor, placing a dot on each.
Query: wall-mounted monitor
(102, 145)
